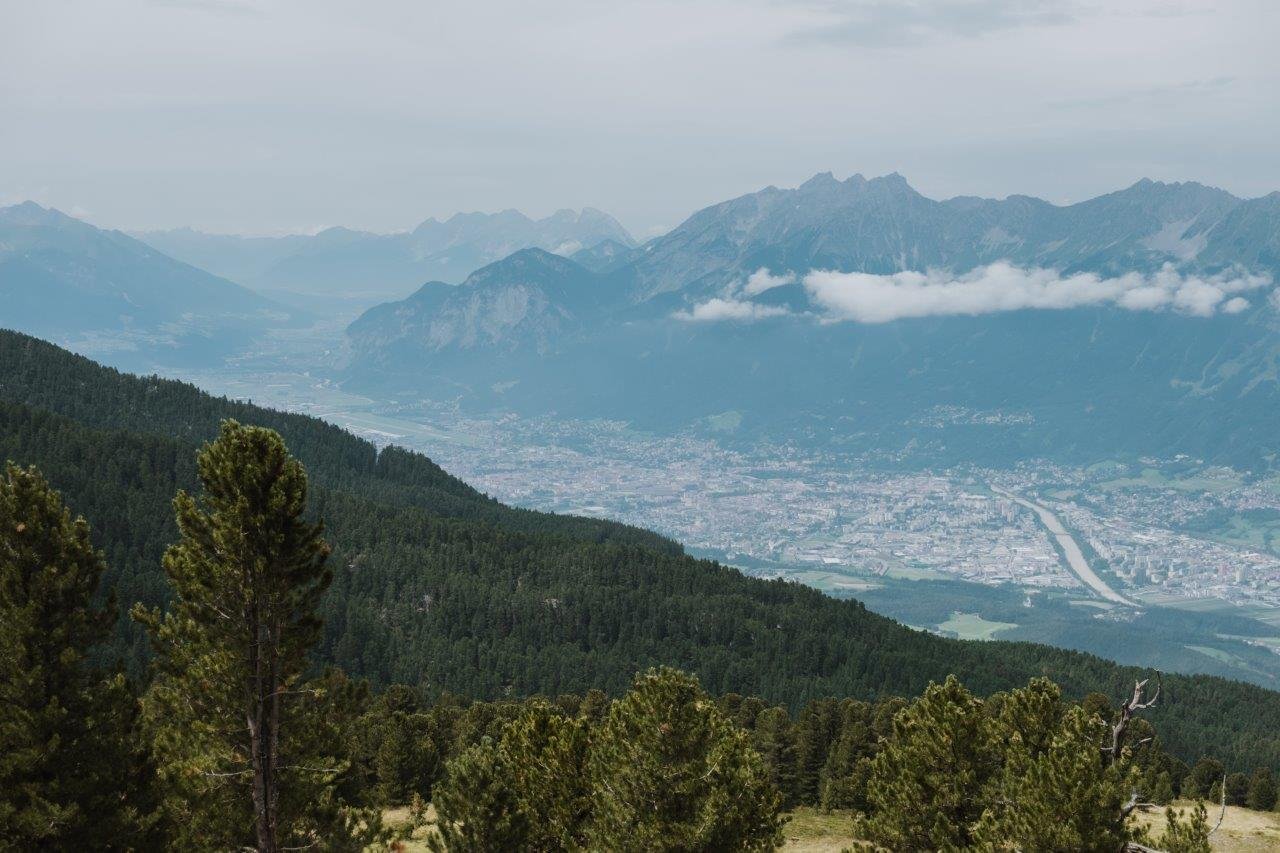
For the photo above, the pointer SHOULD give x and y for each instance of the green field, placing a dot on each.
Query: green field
(1226, 657)
(1215, 480)
(971, 626)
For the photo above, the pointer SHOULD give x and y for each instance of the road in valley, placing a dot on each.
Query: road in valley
(1075, 557)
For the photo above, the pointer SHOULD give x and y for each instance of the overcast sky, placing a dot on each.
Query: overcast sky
(264, 116)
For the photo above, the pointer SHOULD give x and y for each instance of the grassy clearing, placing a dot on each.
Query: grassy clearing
(1242, 830)
(398, 819)
(806, 831)
(811, 831)
(971, 626)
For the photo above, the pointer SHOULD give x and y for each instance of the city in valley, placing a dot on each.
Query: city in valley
(1122, 535)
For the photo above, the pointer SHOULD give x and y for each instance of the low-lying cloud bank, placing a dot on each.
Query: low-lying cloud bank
(999, 287)
(1003, 287)
(729, 309)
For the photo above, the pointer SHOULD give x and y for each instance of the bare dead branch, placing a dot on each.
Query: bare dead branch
(1127, 710)
(1223, 813)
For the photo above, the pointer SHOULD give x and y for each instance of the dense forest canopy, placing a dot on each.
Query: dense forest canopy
(442, 588)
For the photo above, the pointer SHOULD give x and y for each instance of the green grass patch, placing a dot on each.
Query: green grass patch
(971, 626)
(1212, 480)
(809, 830)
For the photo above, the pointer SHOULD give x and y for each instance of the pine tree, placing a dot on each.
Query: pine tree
(1262, 790)
(69, 777)
(1053, 791)
(924, 784)
(1185, 833)
(477, 810)
(774, 739)
(815, 730)
(670, 772)
(249, 753)
(527, 790)
(1237, 789)
(1022, 770)
(1203, 782)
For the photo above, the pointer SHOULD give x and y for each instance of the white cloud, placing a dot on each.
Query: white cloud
(867, 298)
(714, 310)
(762, 280)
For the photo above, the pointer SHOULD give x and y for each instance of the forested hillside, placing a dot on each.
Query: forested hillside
(440, 587)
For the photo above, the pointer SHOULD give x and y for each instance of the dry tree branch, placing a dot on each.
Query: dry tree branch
(1223, 813)
(1127, 710)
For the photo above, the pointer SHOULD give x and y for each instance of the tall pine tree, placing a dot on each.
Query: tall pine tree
(68, 775)
(240, 737)
(670, 772)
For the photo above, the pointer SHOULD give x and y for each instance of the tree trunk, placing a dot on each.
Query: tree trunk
(261, 743)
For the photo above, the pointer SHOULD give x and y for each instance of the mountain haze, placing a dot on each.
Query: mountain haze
(363, 266)
(839, 310)
(64, 278)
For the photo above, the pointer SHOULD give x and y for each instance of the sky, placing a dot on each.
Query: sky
(276, 116)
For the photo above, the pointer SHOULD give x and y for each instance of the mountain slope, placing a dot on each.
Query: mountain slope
(529, 301)
(65, 278)
(437, 586)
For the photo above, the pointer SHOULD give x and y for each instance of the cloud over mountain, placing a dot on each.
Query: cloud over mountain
(761, 280)
(737, 310)
(1001, 286)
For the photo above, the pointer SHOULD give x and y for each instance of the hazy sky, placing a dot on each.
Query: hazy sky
(275, 115)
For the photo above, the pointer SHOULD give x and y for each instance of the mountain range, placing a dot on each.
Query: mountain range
(840, 310)
(837, 311)
(365, 267)
(63, 278)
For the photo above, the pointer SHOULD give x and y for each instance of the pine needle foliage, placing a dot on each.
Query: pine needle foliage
(249, 753)
(68, 769)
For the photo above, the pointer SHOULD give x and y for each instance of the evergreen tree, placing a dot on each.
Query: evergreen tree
(924, 784)
(1203, 780)
(774, 739)
(1160, 789)
(844, 775)
(248, 751)
(69, 777)
(1022, 771)
(1185, 833)
(477, 810)
(670, 772)
(816, 729)
(1053, 791)
(1262, 790)
(526, 790)
(1237, 789)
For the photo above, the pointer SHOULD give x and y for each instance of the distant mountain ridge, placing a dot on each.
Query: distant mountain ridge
(1093, 376)
(882, 225)
(64, 278)
(340, 261)
(531, 299)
